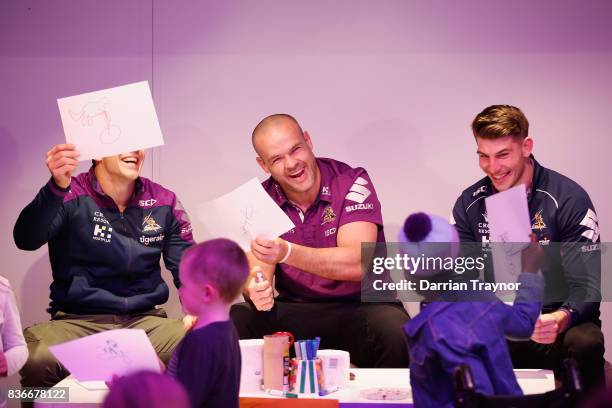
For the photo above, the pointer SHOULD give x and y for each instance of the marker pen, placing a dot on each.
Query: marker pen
(279, 393)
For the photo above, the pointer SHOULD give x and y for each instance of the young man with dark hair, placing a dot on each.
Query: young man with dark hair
(107, 230)
(563, 216)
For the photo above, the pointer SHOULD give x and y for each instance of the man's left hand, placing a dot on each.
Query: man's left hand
(270, 251)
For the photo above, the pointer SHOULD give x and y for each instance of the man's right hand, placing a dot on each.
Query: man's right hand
(260, 291)
(532, 257)
(62, 161)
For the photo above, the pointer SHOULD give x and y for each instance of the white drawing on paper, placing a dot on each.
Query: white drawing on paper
(247, 222)
(111, 351)
(512, 251)
(98, 109)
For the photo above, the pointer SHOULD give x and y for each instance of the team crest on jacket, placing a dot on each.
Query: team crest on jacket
(328, 215)
(150, 225)
(538, 221)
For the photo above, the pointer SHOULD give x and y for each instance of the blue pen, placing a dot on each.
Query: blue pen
(317, 341)
(309, 349)
(303, 349)
(279, 393)
(323, 393)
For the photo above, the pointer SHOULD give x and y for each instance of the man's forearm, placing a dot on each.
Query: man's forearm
(337, 263)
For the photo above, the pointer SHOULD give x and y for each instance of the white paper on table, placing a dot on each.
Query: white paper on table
(508, 218)
(111, 121)
(113, 352)
(244, 214)
(93, 385)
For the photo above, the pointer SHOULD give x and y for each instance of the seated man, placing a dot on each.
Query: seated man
(317, 265)
(561, 212)
(107, 230)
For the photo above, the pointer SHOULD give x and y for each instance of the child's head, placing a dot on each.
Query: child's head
(212, 271)
(430, 237)
(146, 389)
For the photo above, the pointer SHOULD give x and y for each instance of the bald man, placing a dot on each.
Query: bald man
(316, 267)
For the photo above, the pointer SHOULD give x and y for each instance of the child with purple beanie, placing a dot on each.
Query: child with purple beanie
(457, 327)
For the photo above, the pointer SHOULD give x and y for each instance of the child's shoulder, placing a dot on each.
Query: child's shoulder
(217, 332)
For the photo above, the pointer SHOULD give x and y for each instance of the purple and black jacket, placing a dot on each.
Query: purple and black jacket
(105, 261)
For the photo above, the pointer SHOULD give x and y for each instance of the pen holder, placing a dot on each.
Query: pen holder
(276, 365)
(306, 376)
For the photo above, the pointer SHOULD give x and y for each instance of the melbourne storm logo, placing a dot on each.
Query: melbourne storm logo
(150, 225)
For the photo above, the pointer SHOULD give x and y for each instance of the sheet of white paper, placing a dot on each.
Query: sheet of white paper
(244, 214)
(99, 356)
(93, 385)
(111, 121)
(508, 218)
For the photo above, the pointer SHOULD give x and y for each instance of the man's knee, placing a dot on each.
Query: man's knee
(42, 368)
(385, 330)
(387, 321)
(585, 341)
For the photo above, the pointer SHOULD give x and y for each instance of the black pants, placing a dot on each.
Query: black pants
(370, 332)
(584, 342)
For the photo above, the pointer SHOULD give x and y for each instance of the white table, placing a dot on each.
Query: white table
(531, 381)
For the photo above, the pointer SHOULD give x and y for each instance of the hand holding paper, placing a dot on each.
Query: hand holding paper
(111, 121)
(61, 162)
(244, 214)
(100, 356)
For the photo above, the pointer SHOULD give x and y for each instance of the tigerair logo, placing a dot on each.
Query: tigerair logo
(358, 191)
(148, 240)
(150, 225)
(592, 224)
(102, 233)
(538, 221)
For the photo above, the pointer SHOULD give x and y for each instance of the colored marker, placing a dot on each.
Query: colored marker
(323, 393)
(279, 393)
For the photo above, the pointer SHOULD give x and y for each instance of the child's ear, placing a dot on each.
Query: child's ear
(209, 293)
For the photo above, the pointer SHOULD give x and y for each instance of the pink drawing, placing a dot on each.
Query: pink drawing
(91, 110)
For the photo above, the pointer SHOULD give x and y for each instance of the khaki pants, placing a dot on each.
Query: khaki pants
(43, 370)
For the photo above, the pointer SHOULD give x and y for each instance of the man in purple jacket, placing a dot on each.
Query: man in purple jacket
(107, 230)
(317, 265)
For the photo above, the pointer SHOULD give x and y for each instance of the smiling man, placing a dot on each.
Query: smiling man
(562, 216)
(107, 230)
(317, 265)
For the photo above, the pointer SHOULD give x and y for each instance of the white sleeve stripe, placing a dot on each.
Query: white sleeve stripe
(360, 189)
(473, 202)
(550, 195)
(361, 180)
